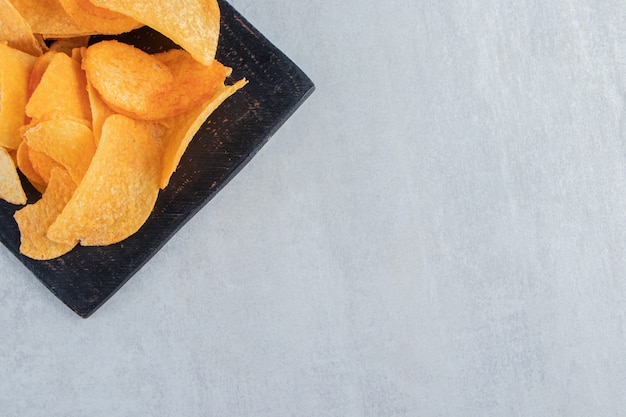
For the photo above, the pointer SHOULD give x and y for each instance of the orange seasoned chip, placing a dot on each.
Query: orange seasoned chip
(100, 111)
(129, 80)
(61, 93)
(15, 30)
(68, 142)
(15, 68)
(97, 19)
(48, 18)
(192, 24)
(39, 68)
(10, 186)
(99, 130)
(42, 164)
(35, 219)
(25, 165)
(119, 190)
(194, 83)
(182, 128)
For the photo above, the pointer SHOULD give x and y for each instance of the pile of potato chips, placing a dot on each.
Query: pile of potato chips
(99, 129)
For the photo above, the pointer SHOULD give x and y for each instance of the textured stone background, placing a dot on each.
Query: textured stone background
(440, 230)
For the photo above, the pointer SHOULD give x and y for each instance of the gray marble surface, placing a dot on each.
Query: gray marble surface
(440, 230)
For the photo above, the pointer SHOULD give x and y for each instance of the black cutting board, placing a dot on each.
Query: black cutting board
(87, 276)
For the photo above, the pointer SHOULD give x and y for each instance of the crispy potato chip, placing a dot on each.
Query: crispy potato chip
(39, 68)
(99, 112)
(97, 19)
(62, 92)
(35, 219)
(15, 68)
(99, 172)
(192, 24)
(42, 164)
(68, 142)
(194, 83)
(129, 80)
(119, 190)
(182, 129)
(48, 18)
(10, 185)
(26, 167)
(15, 30)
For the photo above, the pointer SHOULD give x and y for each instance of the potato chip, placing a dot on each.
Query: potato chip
(192, 24)
(68, 142)
(10, 185)
(42, 164)
(62, 92)
(48, 18)
(39, 68)
(16, 31)
(119, 190)
(97, 19)
(26, 167)
(194, 83)
(35, 219)
(15, 71)
(99, 112)
(129, 80)
(181, 130)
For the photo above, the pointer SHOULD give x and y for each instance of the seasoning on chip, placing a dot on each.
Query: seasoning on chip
(129, 80)
(194, 83)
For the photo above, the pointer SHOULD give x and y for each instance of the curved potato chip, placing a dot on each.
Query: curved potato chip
(25, 165)
(68, 142)
(62, 92)
(119, 190)
(100, 20)
(194, 83)
(99, 112)
(10, 186)
(15, 30)
(35, 219)
(129, 80)
(39, 68)
(48, 18)
(182, 129)
(15, 68)
(192, 24)
(42, 164)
